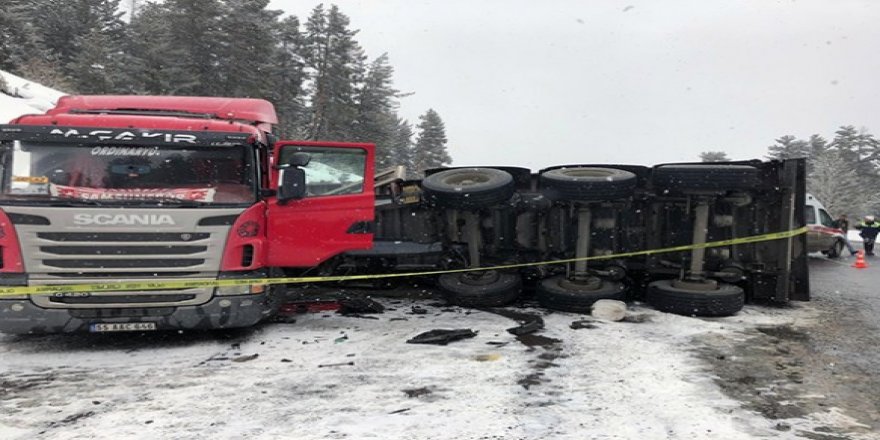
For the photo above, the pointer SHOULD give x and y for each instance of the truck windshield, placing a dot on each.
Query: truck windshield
(36, 171)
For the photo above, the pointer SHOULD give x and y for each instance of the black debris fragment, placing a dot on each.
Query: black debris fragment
(400, 411)
(353, 306)
(416, 310)
(340, 364)
(531, 326)
(246, 358)
(637, 319)
(442, 336)
(358, 315)
(577, 325)
(528, 322)
(417, 392)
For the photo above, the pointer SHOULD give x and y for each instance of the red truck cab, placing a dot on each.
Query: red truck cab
(161, 187)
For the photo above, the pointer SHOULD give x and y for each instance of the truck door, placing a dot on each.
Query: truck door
(336, 214)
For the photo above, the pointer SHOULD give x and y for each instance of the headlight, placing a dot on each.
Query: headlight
(241, 290)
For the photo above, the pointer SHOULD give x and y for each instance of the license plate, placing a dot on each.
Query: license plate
(122, 327)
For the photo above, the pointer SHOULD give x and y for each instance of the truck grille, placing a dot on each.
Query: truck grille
(122, 236)
(62, 251)
(127, 264)
(78, 254)
(122, 250)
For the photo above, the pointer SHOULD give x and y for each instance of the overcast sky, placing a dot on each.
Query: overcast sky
(532, 83)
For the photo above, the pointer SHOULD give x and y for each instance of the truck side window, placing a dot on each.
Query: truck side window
(332, 171)
(826, 219)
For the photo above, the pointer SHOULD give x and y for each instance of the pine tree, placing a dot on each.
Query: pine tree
(100, 65)
(713, 156)
(287, 79)
(430, 148)
(153, 68)
(19, 41)
(857, 148)
(833, 182)
(194, 28)
(817, 145)
(244, 60)
(376, 104)
(53, 37)
(401, 148)
(336, 61)
(788, 147)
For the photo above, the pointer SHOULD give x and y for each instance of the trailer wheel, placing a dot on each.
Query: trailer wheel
(558, 294)
(465, 188)
(588, 184)
(725, 301)
(705, 177)
(480, 289)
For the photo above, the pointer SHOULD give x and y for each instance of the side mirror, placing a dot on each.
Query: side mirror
(299, 159)
(59, 177)
(293, 184)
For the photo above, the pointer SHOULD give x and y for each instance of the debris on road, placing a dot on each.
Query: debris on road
(487, 357)
(442, 336)
(535, 324)
(532, 340)
(582, 324)
(609, 309)
(340, 364)
(417, 392)
(246, 358)
(356, 306)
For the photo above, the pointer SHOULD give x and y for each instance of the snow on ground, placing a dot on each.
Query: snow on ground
(21, 97)
(618, 380)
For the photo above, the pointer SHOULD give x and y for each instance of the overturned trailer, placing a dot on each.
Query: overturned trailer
(158, 212)
(613, 226)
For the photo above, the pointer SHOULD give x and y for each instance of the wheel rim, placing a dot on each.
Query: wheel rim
(480, 278)
(466, 179)
(587, 172)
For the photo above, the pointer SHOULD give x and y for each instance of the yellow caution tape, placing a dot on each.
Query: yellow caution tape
(188, 284)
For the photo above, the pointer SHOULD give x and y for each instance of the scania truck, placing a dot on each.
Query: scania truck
(158, 188)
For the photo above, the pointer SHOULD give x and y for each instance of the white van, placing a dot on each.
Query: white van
(823, 236)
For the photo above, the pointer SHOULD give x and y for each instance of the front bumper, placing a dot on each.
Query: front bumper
(21, 316)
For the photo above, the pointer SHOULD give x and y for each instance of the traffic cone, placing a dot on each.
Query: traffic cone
(860, 261)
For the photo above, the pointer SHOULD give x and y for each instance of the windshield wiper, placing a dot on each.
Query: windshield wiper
(63, 201)
(172, 202)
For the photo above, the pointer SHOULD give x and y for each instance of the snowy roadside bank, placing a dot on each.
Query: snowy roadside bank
(329, 376)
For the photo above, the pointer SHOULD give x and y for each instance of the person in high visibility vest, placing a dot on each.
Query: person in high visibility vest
(869, 228)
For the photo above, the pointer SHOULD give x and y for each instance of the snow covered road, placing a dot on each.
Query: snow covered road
(624, 380)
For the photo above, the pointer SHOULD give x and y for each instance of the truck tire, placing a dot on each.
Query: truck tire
(467, 188)
(497, 290)
(705, 177)
(553, 294)
(588, 184)
(725, 301)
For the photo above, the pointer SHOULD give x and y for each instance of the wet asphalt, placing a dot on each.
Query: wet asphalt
(823, 364)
